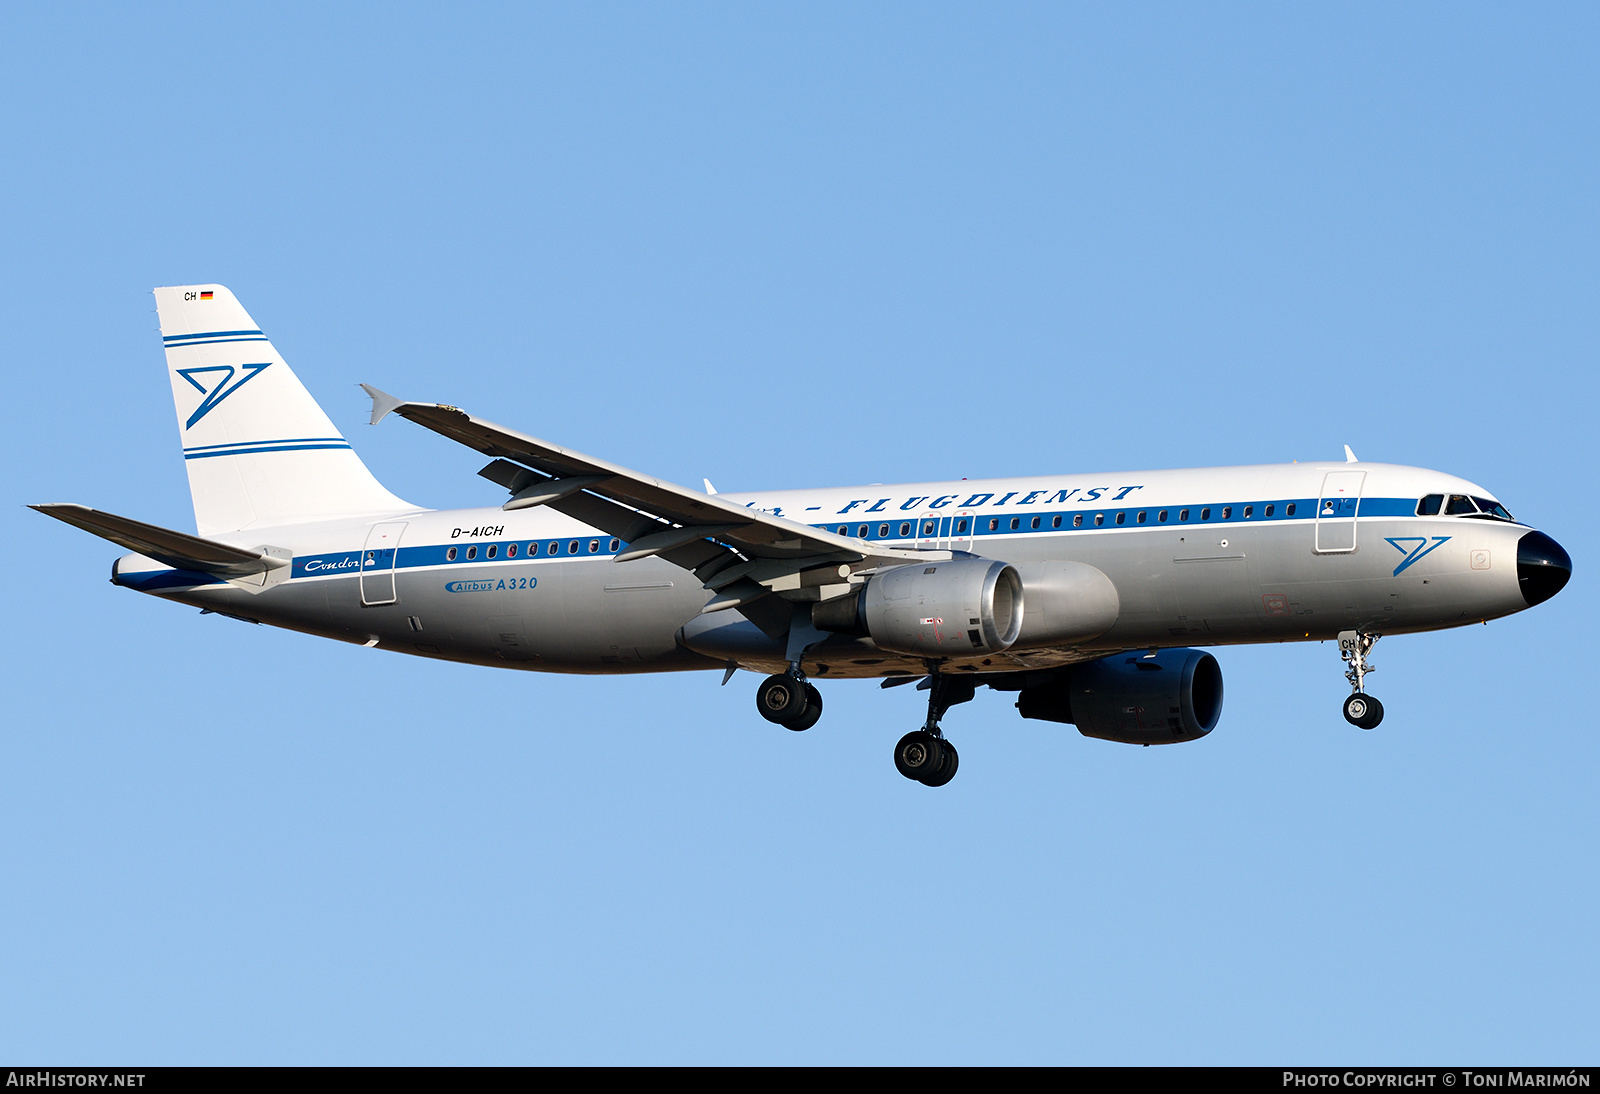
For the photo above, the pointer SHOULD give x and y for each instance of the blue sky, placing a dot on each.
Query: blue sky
(785, 246)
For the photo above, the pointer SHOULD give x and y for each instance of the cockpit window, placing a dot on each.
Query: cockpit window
(1493, 509)
(1429, 506)
(1460, 505)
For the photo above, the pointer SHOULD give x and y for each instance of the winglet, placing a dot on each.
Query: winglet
(382, 403)
(1349, 456)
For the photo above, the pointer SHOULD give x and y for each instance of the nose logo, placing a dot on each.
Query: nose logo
(223, 386)
(1414, 548)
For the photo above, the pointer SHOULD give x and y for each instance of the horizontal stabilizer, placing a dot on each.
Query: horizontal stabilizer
(171, 548)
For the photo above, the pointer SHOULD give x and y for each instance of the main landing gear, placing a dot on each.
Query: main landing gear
(789, 701)
(924, 755)
(1360, 709)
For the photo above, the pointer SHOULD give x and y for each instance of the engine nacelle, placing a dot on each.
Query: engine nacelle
(1068, 603)
(1136, 699)
(943, 609)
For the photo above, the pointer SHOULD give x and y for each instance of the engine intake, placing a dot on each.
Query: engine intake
(943, 609)
(1174, 696)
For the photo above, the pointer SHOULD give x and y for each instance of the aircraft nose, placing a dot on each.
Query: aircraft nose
(1543, 567)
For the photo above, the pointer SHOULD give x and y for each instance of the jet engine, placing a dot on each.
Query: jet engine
(1136, 699)
(944, 609)
(1068, 603)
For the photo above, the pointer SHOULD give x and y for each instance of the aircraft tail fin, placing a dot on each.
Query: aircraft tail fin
(259, 450)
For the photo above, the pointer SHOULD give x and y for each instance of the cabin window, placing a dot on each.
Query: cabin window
(572, 548)
(1140, 517)
(450, 555)
(1099, 519)
(1161, 517)
(961, 527)
(1016, 522)
(511, 550)
(1183, 514)
(861, 532)
(1077, 520)
(1205, 514)
(555, 548)
(472, 553)
(1267, 512)
(1249, 511)
(1227, 512)
(844, 529)
(1055, 522)
(490, 553)
(615, 544)
(905, 528)
(883, 530)
(994, 524)
(1430, 505)
(594, 546)
(1034, 523)
(1121, 518)
(1288, 510)
(929, 527)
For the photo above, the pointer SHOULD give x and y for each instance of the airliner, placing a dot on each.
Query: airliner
(1084, 594)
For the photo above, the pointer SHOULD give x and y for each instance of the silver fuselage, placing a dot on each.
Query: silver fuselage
(1198, 557)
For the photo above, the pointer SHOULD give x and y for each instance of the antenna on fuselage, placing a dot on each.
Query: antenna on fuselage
(1349, 456)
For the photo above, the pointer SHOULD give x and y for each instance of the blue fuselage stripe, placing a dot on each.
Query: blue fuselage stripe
(341, 563)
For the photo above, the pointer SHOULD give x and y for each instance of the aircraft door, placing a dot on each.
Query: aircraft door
(1337, 509)
(962, 527)
(378, 559)
(940, 531)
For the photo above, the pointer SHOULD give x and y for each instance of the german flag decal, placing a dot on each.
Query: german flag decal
(205, 296)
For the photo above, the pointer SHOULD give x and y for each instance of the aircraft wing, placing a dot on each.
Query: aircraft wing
(661, 515)
(166, 546)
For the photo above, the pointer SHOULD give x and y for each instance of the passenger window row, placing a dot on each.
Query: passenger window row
(930, 526)
(551, 547)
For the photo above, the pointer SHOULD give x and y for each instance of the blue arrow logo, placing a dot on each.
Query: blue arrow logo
(1414, 548)
(224, 387)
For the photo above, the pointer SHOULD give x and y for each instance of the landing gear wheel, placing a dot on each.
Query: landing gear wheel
(919, 755)
(782, 699)
(1363, 710)
(952, 760)
(809, 715)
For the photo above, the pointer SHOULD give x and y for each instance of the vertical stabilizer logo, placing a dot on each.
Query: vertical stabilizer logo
(224, 386)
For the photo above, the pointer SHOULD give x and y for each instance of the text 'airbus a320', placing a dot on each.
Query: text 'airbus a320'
(1081, 593)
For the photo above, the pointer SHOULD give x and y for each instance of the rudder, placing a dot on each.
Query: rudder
(259, 450)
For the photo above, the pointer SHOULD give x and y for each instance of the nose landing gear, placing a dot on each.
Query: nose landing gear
(1360, 709)
(924, 755)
